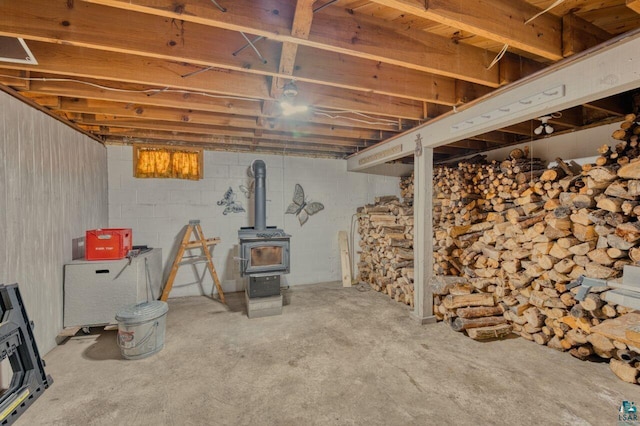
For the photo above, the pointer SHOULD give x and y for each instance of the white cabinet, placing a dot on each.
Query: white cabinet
(95, 290)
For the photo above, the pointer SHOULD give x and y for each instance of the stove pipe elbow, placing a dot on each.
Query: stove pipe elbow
(260, 211)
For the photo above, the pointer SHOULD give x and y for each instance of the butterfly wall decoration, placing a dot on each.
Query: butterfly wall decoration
(301, 208)
(230, 204)
(248, 190)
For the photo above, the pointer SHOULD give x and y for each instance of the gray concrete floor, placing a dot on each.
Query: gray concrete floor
(335, 356)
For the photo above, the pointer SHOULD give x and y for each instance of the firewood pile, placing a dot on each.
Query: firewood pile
(386, 261)
(511, 236)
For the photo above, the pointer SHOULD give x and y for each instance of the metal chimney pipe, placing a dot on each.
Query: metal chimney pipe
(260, 175)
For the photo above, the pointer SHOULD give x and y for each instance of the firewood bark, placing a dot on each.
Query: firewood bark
(480, 311)
(630, 171)
(492, 332)
(460, 324)
(602, 346)
(624, 371)
(476, 299)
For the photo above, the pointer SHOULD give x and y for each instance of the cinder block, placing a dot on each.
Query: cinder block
(153, 196)
(263, 306)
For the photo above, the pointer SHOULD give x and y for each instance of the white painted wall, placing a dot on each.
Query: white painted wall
(568, 146)
(53, 186)
(159, 209)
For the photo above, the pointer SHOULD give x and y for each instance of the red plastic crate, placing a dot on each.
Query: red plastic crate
(108, 244)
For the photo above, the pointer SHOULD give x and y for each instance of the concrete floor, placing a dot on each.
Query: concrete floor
(335, 356)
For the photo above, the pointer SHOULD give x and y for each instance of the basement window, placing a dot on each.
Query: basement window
(168, 163)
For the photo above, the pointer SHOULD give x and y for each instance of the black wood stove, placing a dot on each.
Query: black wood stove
(264, 250)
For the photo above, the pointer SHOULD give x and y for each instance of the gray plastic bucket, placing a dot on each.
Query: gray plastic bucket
(141, 329)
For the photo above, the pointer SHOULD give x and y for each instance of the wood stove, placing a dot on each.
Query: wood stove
(264, 250)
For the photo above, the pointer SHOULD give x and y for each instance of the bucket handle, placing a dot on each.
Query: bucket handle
(141, 342)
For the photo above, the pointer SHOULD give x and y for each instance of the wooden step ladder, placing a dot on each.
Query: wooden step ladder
(199, 242)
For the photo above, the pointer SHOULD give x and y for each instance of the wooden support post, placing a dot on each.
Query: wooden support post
(423, 233)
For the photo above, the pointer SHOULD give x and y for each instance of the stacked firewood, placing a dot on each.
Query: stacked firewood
(516, 234)
(470, 305)
(386, 261)
(406, 188)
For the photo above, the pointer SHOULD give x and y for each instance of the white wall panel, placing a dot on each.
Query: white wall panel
(53, 186)
(568, 146)
(163, 207)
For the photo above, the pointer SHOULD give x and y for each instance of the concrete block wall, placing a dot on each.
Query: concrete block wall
(53, 186)
(158, 210)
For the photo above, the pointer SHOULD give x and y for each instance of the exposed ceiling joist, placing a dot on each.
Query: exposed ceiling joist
(609, 70)
(502, 21)
(365, 69)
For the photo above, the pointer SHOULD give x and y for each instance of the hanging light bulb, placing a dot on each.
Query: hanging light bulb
(289, 92)
(545, 126)
(288, 108)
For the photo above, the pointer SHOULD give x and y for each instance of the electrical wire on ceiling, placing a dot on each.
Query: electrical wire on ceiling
(504, 49)
(151, 92)
(329, 114)
(148, 92)
(498, 56)
(556, 3)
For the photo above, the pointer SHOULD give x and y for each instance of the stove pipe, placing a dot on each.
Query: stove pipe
(260, 175)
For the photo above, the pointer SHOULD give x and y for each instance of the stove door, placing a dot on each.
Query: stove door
(262, 256)
(265, 257)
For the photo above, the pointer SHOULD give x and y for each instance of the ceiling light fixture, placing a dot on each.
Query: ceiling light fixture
(288, 108)
(290, 90)
(545, 126)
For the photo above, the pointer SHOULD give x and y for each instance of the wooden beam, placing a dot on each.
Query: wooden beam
(451, 150)
(579, 35)
(340, 99)
(200, 117)
(378, 40)
(335, 30)
(614, 17)
(90, 63)
(302, 18)
(219, 139)
(514, 67)
(524, 129)
(466, 92)
(571, 118)
(378, 77)
(634, 5)
(130, 93)
(345, 122)
(499, 20)
(475, 145)
(15, 78)
(615, 105)
(209, 47)
(619, 57)
(237, 146)
(48, 101)
(93, 124)
(499, 138)
(198, 103)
